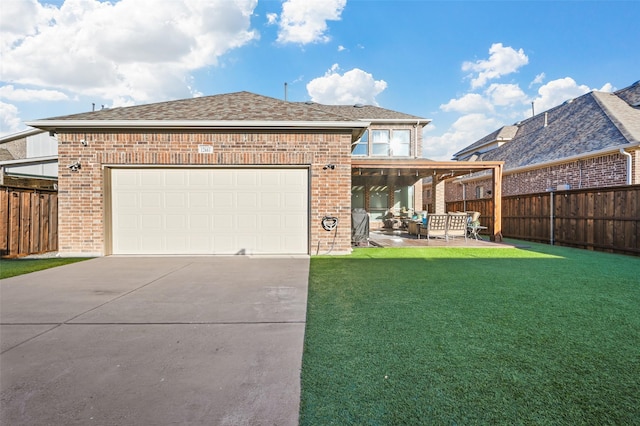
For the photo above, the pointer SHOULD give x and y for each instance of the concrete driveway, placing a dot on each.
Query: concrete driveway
(154, 341)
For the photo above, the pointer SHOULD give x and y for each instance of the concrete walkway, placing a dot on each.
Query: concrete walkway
(154, 341)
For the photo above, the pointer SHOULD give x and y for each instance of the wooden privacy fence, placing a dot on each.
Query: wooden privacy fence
(606, 219)
(28, 221)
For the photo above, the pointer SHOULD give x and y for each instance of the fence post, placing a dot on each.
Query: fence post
(551, 211)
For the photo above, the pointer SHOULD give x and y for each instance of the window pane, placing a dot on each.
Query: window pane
(380, 149)
(378, 202)
(362, 146)
(357, 197)
(361, 149)
(401, 151)
(400, 144)
(401, 136)
(380, 136)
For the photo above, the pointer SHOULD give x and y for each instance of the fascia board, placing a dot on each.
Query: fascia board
(19, 135)
(33, 160)
(423, 121)
(193, 124)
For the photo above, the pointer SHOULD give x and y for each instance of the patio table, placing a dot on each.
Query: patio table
(473, 230)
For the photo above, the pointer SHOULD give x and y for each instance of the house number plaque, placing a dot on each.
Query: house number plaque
(205, 149)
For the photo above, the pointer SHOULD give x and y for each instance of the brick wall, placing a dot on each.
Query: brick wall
(82, 198)
(603, 171)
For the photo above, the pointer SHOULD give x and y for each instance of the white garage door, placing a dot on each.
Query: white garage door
(209, 211)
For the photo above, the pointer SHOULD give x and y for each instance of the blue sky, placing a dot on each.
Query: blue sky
(470, 66)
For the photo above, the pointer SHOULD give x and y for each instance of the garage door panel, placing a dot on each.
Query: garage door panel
(223, 200)
(246, 201)
(199, 200)
(150, 200)
(151, 222)
(154, 180)
(210, 211)
(247, 178)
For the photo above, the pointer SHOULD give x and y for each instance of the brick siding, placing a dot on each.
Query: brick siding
(597, 172)
(82, 227)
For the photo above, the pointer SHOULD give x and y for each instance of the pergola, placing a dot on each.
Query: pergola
(368, 171)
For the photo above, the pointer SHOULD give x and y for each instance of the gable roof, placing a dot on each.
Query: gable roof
(239, 110)
(591, 123)
(236, 106)
(368, 113)
(503, 134)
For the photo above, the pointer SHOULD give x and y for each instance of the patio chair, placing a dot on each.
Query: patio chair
(436, 226)
(474, 226)
(457, 226)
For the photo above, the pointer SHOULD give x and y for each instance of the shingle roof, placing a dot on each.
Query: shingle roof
(592, 122)
(364, 112)
(5, 155)
(505, 133)
(238, 106)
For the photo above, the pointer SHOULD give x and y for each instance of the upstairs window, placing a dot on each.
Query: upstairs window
(362, 145)
(401, 143)
(380, 142)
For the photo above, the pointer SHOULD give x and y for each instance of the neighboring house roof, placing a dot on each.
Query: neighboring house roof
(503, 134)
(5, 155)
(591, 123)
(20, 135)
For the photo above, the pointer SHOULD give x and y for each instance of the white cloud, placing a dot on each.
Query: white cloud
(29, 95)
(556, 92)
(9, 119)
(502, 61)
(352, 87)
(341, 48)
(471, 102)
(538, 80)
(305, 21)
(608, 87)
(506, 94)
(464, 131)
(147, 56)
(272, 18)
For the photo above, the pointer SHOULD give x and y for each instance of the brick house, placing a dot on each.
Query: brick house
(589, 142)
(236, 173)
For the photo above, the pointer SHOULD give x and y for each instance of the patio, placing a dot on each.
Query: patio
(401, 238)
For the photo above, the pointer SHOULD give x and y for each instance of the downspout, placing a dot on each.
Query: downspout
(415, 139)
(629, 162)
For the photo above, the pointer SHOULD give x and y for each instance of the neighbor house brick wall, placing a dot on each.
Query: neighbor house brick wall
(82, 227)
(603, 171)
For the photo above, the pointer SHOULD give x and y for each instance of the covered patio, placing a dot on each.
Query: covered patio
(398, 173)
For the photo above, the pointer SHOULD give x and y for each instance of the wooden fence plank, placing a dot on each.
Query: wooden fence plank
(4, 221)
(28, 221)
(596, 219)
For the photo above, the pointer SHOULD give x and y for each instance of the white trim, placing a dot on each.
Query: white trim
(20, 135)
(34, 160)
(194, 124)
(418, 121)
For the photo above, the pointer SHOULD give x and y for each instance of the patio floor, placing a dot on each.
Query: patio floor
(401, 238)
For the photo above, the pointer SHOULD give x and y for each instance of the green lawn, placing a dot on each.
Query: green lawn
(13, 267)
(454, 336)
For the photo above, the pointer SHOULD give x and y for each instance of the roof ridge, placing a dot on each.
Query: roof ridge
(625, 118)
